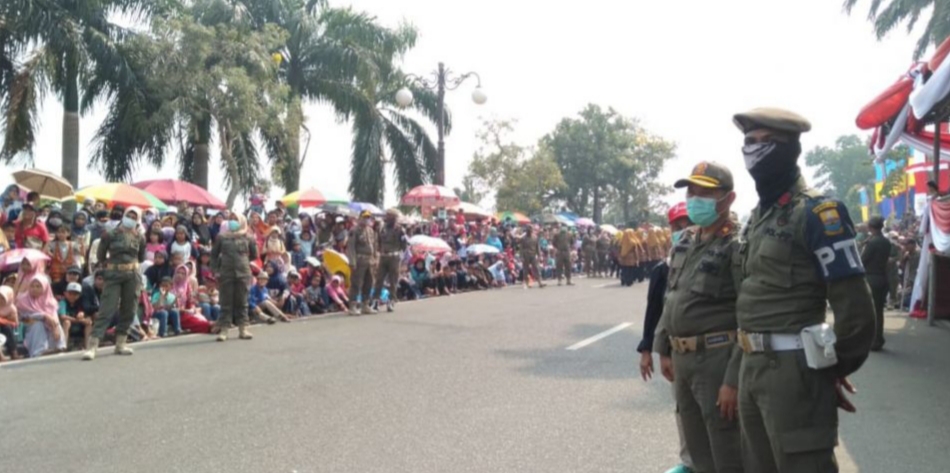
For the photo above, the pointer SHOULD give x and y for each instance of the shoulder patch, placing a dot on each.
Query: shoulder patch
(830, 235)
(827, 213)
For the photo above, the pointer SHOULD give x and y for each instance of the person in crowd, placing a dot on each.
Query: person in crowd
(165, 308)
(392, 244)
(274, 249)
(295, 304)
(231, 256)
(910, 261)
(11, 202)
(30, 232)
(562, 242)
(121, 250)
(79, 233)
(315, 295)
(214, 228)
(9, 320)
(530, 248)
(678, 219)
(154, 243)
(786, 287)
(160, 269)
(202, 268)
(71, 316)
(341, 234)
(37, 308)
(8, 241)
(260, 302)
(92, 293)
(336, 292)
(73, 275)
(875, 257)
(362, 252)
(209, 299)
(181, 245)
(63, 254)
(200, 230)
(298, 258)
(279, 291)
(696, 334)
(629, 257)
(31, 267)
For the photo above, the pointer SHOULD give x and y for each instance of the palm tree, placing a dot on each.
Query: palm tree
(331, 56)
(65, 46)
(387, 129)
(898, 11)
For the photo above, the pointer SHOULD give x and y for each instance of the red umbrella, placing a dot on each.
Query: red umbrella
(172, 191)
(431, 196)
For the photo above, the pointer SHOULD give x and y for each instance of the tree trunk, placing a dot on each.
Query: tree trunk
(70, 157)
(199, 174)
(625, 201)
(596, 212)
(227, 157)
(293, 165)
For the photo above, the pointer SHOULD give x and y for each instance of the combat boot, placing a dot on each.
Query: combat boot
(244, 333)
(91, 347)
(366, 309)
(222, 335)
(390, 306)
(120, 348)
(353, 310)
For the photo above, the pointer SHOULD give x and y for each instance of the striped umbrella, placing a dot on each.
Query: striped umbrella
(312, 197)
(516, 217)
(121, 194)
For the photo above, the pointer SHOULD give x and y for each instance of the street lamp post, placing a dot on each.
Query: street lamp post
(440, 82)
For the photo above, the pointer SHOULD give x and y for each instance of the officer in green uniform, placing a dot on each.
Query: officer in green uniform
(121, 249)
(562, 243)
(231, 256)
(392, 244)
(699, 323)
(798, 254)
(602, 247)
(876, 260)
(530, 247)
(362, 253)
(588, 249)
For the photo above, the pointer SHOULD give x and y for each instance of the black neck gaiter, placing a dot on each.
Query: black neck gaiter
(775, 173)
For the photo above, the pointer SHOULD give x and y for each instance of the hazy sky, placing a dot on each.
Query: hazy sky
(682, 67)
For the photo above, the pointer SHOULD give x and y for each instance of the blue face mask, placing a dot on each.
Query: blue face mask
(234, 226)
(675, 238)
(702, 210)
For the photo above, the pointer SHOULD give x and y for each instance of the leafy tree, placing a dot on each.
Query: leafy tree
(497, 156)
(468, 193)
(67, 47)
(635, 169)
(909, 11)
(532, 186)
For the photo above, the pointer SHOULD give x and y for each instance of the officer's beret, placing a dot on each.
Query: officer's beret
(773, 119)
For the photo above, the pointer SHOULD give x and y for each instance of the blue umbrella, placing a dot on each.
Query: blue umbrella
(359, 207)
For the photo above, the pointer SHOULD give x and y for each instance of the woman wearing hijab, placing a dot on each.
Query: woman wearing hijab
(8, 321)
(37, 308)
(629, 257)
(80, 234)
(186, 298)
(231, 257)
(30, 232)
(200, 230)
(31, 266)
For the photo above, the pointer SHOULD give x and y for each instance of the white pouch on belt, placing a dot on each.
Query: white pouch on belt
(819, 344)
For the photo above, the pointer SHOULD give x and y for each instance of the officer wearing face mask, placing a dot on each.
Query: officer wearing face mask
(121, 249)
(696, 335)
(231, 256)
(362, 251)
(798, 254)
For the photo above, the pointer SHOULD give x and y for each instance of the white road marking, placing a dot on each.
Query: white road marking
(599, 336)
(607, 284)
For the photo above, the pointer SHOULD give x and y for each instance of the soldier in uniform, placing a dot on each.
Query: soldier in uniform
(603, 247)
(530, 247)
(798, 254)
(392, 244)
(563, 244)
(698, 324)
(876, 259)
(121, 249)
(362, 252)
(588, 245)
(231, 256)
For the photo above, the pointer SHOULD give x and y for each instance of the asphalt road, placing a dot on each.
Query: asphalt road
(480, 382)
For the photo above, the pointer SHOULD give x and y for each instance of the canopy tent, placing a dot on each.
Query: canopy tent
(472, 211)
(430, 196)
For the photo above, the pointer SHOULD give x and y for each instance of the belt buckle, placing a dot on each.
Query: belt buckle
(751, 342)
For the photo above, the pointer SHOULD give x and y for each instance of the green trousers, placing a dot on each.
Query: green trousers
(388, 270)
(119, 297)
(530, 266)
(563, 266)
(233, 299)
(713, 441)
(788, 414)
(361, 279)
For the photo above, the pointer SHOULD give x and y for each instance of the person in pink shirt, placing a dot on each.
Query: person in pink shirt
(337, 293)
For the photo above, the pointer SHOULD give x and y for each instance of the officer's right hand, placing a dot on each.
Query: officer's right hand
(646, 365)
(666, 367)
(845, 404)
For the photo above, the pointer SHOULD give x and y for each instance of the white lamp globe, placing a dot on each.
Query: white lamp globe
(478, 96)
(404, 97)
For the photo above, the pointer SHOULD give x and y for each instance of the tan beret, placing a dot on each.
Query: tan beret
(771, 118)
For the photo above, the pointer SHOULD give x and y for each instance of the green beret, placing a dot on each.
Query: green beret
(771, 118)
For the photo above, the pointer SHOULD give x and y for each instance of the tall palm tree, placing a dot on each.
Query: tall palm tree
(898, 11)
(67, 47)
(386, 129)
(331, 56)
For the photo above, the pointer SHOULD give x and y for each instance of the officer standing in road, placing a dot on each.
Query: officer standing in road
(699, 323)
(798, 254)
(588, 245)
(392, 244)
(362, 252)
(876, 260)
(231, 256)
(121, 249)
(530, 247)
(563, 243)
(602, 247)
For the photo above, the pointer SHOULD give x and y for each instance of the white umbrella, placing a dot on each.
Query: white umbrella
(44, 183)
(428, 244)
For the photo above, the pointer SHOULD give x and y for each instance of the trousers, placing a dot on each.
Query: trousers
(563, 266)
(120, 297)
(387, 271)
(361, 278)
(233, 299)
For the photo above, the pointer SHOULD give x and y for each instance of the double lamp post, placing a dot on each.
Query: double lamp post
(441, 80)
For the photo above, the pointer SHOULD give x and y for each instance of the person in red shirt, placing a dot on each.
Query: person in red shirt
(30, 233)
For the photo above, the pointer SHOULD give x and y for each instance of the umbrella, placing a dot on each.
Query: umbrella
(517, 217)
(172, 191)
(121, 194)
(312, 198)
(430, 196)
(478, 249)
(425, 243)
(472, 211)
(551, 218)
(45, 183)
(339, 209)
(14, 257)
(584, 222)
(359, 207)
(609, 228)
(337, 263)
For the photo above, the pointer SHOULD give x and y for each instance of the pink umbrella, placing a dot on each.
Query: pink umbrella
(430, 196)
(172, 191)
(584, 222)
(14, 257)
